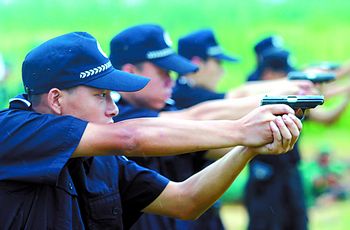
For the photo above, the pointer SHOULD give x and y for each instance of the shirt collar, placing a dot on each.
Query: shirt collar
(20, 102)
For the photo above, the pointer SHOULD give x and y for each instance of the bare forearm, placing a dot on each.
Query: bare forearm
(161, 137)
(334, 89)
(205, 187)
(227, 109)
(278, 87)
(173, 135)
(330, 115)
(158, 137)
(343, 71)
(214, 154)
(188, 199)
(254, 88)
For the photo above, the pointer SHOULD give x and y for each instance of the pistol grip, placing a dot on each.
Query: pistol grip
(299, 113)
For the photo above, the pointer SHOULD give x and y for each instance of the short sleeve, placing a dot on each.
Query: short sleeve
(139, 187)
(35, 147)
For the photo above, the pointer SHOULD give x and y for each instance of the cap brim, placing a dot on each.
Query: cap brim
(175, 63)
(117, 80)
(289, 69)
(225, 57)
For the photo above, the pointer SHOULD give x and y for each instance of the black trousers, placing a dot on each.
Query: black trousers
(277, 203)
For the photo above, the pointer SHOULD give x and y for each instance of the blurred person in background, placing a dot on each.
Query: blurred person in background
(274, 195)
(325, 178)
(327, 183)
(203, 49)
(269, 42)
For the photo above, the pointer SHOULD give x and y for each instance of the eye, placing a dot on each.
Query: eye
(102, 95)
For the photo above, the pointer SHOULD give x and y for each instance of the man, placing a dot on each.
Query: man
(130, 51)
(57, 168)
(266, 43)
(202, 48)
(274, 195)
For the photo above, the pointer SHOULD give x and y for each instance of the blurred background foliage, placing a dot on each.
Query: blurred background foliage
(313, 30)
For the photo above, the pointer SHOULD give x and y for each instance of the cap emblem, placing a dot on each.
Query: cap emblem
(96, 70)
(214, 50)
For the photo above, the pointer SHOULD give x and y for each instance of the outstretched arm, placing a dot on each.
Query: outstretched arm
(335, 89)
(343, 70)
(330, 115)
(276, 87)
(190, 198)
(225, 109)
(159, 137)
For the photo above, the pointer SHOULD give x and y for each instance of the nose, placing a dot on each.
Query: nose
(111, 108)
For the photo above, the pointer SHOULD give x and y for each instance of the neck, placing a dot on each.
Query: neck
(135, 101)
(196, 79)
(40, 104)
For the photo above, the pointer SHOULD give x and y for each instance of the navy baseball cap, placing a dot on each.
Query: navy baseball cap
(147, 42)
(269, 42)
(202, 43)
(274, 58)
(71, 60)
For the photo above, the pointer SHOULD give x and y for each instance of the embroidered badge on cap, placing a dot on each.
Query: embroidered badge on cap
(214, 50)
(96, 70)
(159, 53)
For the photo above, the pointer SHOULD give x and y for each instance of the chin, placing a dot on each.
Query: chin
(158, 106)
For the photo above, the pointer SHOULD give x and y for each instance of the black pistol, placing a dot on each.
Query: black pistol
(298, 103)
(314, 77)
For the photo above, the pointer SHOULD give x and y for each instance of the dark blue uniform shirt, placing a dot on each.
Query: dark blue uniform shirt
(186, 94)
(42, 188)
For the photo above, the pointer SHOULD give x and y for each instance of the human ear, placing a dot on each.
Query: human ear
(130, 68)
(197, 61)
(54, 100)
